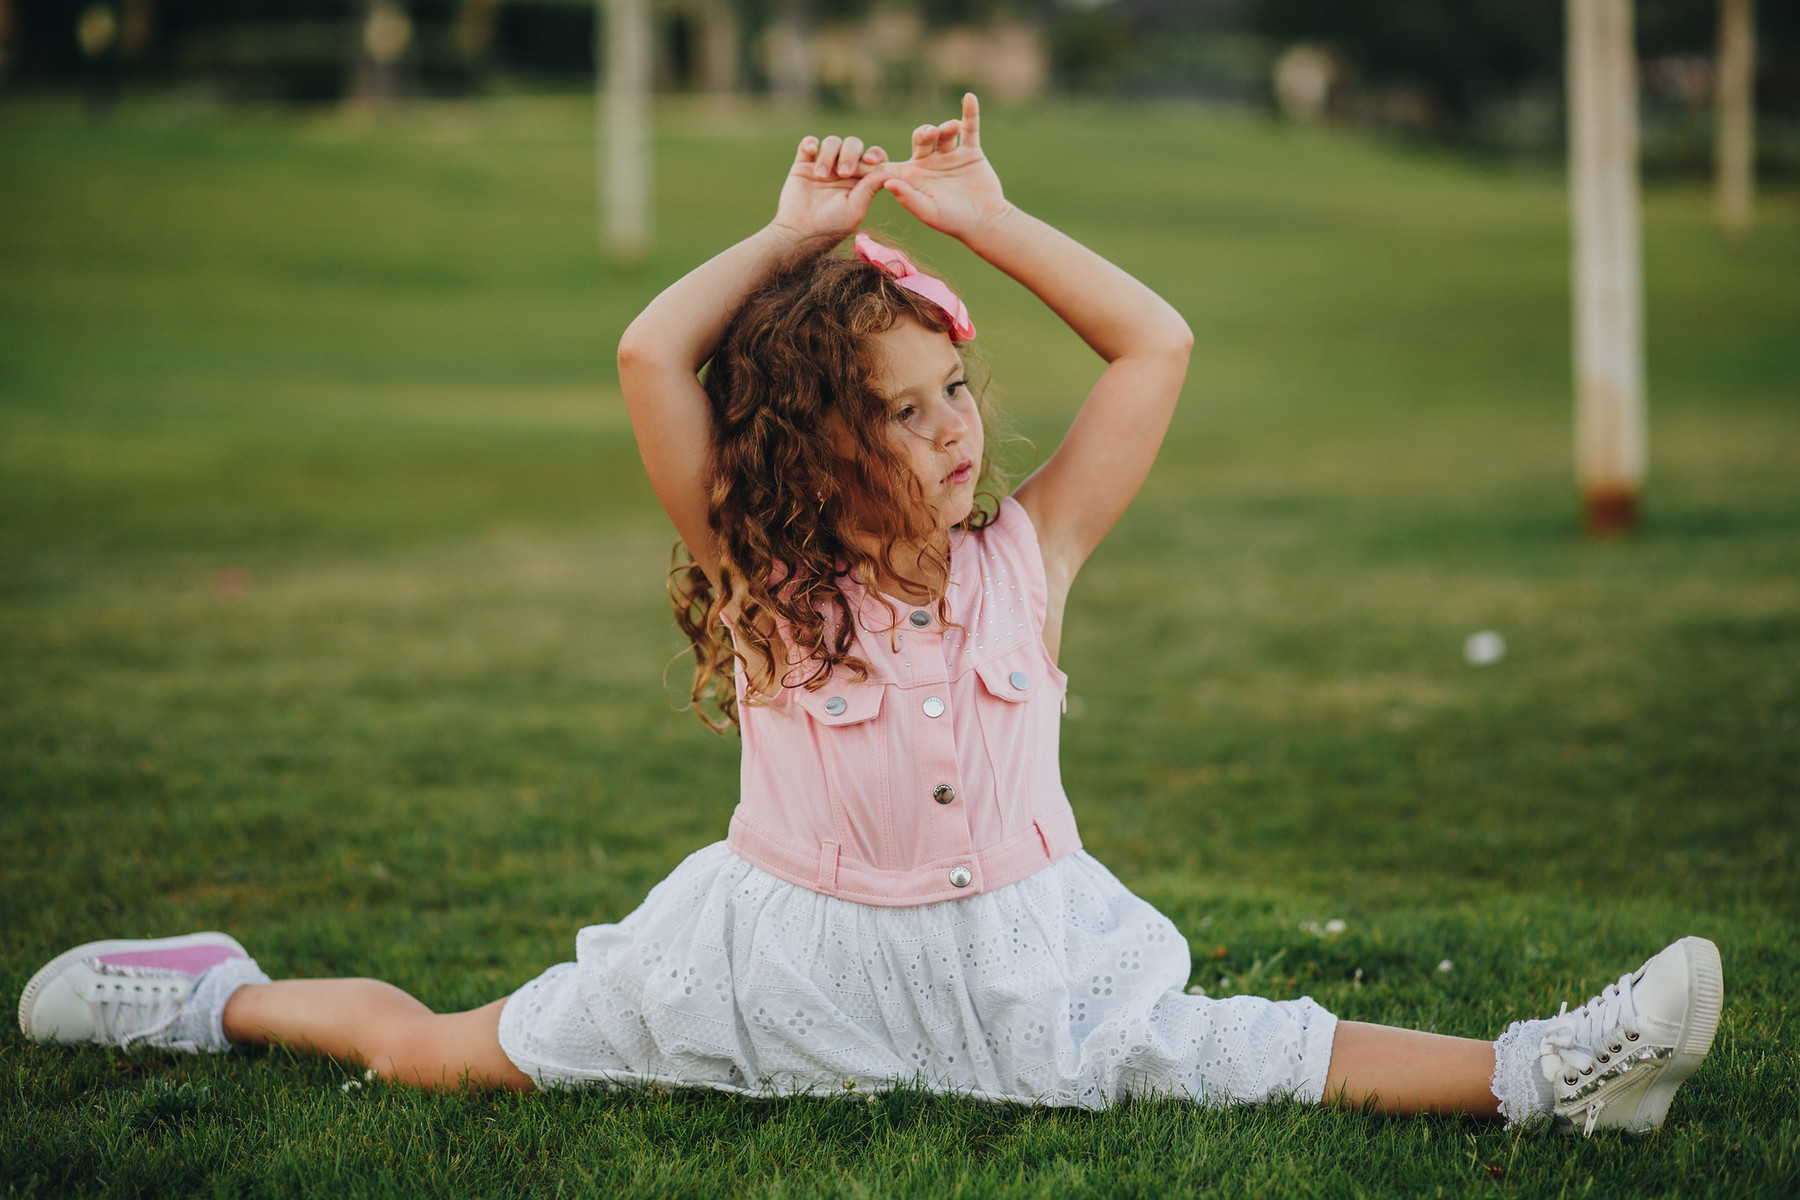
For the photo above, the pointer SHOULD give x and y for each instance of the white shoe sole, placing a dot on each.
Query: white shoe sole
(56, 966)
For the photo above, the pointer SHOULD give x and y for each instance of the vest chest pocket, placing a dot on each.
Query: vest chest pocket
(841, 703)
(1019, 701)
(1020, 674)
(853, 754)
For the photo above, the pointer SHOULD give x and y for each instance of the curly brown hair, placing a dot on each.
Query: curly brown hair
(792, 374)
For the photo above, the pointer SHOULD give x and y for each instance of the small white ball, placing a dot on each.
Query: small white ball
(1484, 649)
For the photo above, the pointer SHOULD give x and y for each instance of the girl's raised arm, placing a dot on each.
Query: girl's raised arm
(1077, 496)
(827, 193)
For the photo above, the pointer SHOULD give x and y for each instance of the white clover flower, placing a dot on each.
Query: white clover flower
(1445, 967)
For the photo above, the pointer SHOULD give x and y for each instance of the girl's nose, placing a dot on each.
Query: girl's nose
(952, 428)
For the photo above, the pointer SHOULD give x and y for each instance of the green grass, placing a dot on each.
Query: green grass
(435, 734)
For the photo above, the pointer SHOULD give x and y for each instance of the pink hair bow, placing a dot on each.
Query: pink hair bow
(929, 287)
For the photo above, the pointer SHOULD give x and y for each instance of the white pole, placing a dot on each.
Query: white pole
(1610, 439)
(623, 123)
(1735, 144)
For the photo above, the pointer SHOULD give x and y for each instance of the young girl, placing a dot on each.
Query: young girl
(903, 895)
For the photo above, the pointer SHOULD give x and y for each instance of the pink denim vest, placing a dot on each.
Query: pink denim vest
(937, 778)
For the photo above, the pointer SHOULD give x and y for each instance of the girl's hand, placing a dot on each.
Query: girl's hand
(830, 187)
(948, 182)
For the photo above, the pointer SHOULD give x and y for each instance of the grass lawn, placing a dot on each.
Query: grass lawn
(331, 615)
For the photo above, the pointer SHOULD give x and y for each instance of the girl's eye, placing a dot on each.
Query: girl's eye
(905, 412)
(959, 385)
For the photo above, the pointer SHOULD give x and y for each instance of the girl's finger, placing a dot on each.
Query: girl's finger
(948, 132)
(874, 156)
(924, 140)
(849, 155)
(807, 151)
(863, 194)
(971, 120)
(904, 192)
(827, 160)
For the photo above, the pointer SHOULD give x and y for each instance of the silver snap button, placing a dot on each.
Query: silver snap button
(921, 619)
(933, 707)
(960, 877)
(1020, 680)
(943, 793)
(836, 705)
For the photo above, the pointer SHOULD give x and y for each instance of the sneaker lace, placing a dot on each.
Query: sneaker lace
(128, 1013)
(1577, 1041)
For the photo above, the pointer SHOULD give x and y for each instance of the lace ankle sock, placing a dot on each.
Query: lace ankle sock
(1519, 1084)
(201, 1024)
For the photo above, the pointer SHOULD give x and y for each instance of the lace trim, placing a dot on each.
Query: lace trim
(1518, 1083)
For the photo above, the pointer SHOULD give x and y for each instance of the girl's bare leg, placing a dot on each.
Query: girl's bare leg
(1373, 1067)
(1378, 1068)
(379, 1025)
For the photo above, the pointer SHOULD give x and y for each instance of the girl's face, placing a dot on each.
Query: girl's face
(932, 419)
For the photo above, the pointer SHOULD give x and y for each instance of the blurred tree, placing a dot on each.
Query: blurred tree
(383, 35)
(475, 20)
(719, 47)
(1461, 52)
(97, 33)
(137, 30)
(1735, 142)
(1090, 46)
(791, 74)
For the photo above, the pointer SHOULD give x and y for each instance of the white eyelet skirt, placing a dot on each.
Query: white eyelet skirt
(1061, 989)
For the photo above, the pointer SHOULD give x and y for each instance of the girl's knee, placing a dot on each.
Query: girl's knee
(447, 1053)
(405, 1050)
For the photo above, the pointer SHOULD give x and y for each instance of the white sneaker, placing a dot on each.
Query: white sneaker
(129, 993)
(1615, 1062)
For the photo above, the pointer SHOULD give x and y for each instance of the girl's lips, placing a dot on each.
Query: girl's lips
(960, 475)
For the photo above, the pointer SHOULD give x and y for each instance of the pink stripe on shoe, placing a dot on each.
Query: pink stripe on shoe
(189, 960)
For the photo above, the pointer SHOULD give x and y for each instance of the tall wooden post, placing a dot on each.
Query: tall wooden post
(623, 125)
(1735, 142)
(1610, 439)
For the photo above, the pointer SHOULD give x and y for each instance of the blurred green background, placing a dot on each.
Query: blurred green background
(331, 613)
(1484, 74)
